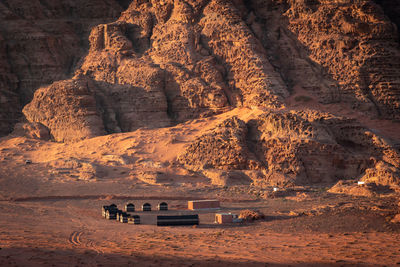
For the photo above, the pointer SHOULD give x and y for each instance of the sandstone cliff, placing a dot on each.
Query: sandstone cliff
(152, 64)
(165, 62)
(68, 108)
(41, 42)
(348, 50)
(296, 148)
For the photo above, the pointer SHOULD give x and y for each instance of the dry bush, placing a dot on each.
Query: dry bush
(251, 215)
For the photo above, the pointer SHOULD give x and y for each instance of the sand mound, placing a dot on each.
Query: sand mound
(355, 189)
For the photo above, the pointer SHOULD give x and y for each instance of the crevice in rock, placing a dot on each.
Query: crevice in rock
(110, 124)
(170, 112)
(226, 88)
(253, 142)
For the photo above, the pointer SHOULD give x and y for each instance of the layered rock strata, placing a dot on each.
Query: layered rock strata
(9, 98)
(171, 61)
(225, 148)
(296, 148)
(68, 108)
(41, 42)
(168, 62)
(347, 50)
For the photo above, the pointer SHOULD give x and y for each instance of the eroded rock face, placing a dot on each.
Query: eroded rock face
(46, 38)
(166, 62)
(296, 148)
(68, 109)
(41, 42)
(312, 147)
(9, 99)
(160, 63)
(223, 148)
(352, 43)
(129, 89)
(392, 10)
(227, 36)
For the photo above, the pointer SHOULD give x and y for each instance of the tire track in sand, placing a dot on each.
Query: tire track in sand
(75, 238)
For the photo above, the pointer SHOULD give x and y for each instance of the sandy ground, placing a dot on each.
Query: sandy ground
(71, 232)
(51, 210)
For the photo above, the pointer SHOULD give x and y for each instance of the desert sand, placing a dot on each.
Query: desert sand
(51, 210)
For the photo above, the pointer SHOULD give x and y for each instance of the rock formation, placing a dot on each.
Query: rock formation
(41, 42)
(348, 50)
(151, 68)
(88, 69)
(68, 109)
(223, 148)
(9, 99)
(296, 148)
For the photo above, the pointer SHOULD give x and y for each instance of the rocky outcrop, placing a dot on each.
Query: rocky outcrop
(130, 90)
(342, 51)
(227, 36)
(159, 64)
(223, 148)
(353, 188)
(41, 42)
(72, 168)
(45, 39)
(312, 147)
(68, 109)
(170, 61)
(166, 62)
(296, 148)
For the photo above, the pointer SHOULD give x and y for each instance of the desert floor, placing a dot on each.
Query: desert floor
(51, 210)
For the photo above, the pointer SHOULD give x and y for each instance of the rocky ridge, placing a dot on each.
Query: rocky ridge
(348, 49)
(168, 62)
(288, 147)
(42, 42)
(151, 69)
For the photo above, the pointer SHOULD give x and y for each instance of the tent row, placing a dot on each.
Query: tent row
(146, 207)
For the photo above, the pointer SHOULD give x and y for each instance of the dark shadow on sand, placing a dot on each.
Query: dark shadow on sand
(49, 257)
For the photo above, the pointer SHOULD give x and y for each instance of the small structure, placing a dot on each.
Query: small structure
(28, 161)
(123, 217)
(163, 206)
(111, 214)
(173, 220)
(104, 209)
(203, 204)
(118, 214)
(146, 207)
(134, 219)
(222, 218)
(130, 207)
